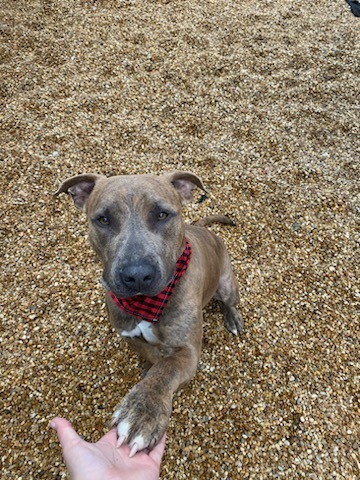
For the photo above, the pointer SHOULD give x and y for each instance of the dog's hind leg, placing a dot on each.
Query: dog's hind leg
(227, 294)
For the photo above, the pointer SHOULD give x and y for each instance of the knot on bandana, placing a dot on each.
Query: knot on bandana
(150, 308)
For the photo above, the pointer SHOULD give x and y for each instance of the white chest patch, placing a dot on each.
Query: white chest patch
(143, 328)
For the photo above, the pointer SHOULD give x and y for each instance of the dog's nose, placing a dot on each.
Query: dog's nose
(138, 277)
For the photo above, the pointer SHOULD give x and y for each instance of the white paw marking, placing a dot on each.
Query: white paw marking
(140, 442)
(143, 328)
(123, 429)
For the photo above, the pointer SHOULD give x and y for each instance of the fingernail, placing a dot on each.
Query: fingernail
(52, 425)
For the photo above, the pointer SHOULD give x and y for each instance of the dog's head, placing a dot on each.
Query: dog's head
(135, 226)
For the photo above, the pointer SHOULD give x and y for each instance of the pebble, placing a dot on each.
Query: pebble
(266, 115)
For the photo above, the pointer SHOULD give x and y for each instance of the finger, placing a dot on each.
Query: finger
(65, 431)
(110, 436)
(157, 452)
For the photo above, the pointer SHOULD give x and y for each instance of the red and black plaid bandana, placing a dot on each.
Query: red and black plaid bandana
(150, 308)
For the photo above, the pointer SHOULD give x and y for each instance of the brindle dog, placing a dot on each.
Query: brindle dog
(136, 229)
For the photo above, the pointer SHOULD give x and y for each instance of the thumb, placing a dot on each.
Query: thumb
(157, 452)
(65, 432)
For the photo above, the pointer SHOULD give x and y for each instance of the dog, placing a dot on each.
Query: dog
(158, 273)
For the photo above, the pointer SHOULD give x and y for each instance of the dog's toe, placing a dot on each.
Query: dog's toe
(123, 429)
(137, 444)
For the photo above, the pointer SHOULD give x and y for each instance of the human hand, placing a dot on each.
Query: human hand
(103, 460)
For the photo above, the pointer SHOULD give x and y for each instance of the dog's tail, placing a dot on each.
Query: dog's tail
(214, 219)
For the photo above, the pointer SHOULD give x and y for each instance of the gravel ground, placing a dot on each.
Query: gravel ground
(261, 100)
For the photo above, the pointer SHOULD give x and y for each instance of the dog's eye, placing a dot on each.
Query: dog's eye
(103, 220)
(162, 216)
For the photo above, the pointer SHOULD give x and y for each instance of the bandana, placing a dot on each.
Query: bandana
(150, 308)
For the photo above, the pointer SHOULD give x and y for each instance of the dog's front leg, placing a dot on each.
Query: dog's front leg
(143, 414)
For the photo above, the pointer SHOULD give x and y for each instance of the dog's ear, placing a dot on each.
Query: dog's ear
(79, 188)
(184, 183)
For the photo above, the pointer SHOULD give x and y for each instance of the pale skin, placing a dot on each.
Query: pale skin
(103, 460)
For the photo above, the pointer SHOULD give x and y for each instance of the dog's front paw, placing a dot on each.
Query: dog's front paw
(141, 419)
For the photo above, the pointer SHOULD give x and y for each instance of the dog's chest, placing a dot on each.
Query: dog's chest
(143, 328)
